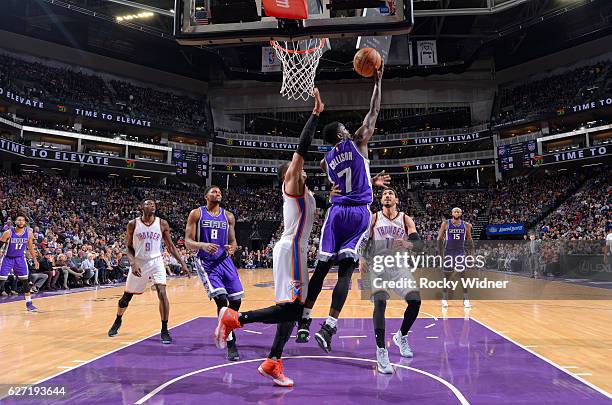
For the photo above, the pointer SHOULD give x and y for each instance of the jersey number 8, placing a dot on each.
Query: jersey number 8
(213, 234)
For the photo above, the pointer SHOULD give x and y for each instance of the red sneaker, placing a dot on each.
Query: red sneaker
(273, 369)
(228, 321)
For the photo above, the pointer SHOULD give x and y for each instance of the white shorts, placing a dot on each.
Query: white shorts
(290, 272)
(153, 269)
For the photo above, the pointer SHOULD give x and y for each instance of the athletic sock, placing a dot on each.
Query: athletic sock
(331, 321)
(118, 318)
(164, 326)
(28, 298)
(306, 313)
(465, 296)
(380, 337)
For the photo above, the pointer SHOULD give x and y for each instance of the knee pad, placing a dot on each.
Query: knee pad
(124, 301)
(346, 268)
(380, 298)
(413, 298)
(221, 301)
(235, 304)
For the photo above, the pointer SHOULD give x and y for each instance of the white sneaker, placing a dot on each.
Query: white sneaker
(383, 364)
(402, 342)
(444, 303)
(466, 304)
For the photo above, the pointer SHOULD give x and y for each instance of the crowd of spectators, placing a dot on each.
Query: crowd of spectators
(525, 199)
(585, 215)
(72, 87)
(552, 94)
(79, 223)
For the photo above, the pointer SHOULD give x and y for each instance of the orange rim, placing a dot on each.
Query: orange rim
(276, 45)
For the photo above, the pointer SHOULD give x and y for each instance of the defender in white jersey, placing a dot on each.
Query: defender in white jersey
(144, 251)
(290, 254)
(390, 231)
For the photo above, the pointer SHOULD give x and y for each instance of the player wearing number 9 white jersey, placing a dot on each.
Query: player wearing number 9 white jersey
(144, 242)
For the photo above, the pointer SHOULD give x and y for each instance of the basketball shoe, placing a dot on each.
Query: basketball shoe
(303, 333)
(228, 321)
(383, 365)
(402, 342)
(273, 369)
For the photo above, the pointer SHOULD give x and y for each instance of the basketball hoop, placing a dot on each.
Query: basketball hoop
(300, 60)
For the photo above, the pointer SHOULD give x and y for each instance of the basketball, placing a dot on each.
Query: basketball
(367, 61)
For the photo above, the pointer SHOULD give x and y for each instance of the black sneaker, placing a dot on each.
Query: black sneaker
(324, 337)
(303, 333)
(232, 353)
(165, 337)
(114, 330)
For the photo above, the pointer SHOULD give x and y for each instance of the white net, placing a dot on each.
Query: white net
(300, 60)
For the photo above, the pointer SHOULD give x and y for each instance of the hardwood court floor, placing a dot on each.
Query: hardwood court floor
(71, 329)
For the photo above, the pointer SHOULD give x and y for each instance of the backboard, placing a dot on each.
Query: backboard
(204, 22)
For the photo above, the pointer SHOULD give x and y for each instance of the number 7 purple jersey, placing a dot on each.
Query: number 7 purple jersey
(350, 170)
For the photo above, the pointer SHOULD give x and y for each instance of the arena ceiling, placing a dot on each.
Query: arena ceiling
(510, 31)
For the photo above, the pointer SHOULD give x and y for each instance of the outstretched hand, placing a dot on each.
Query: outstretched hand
(319, 105)
(381, 179)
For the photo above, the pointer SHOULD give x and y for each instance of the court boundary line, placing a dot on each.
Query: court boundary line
(552, 363)
(112, 351)
(35, 298)
(458, 394)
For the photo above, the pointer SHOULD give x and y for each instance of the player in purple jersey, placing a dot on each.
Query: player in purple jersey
(13, 244)
(346, 224)
(210, 231)
(451, 240)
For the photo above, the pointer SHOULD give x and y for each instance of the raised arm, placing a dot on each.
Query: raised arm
(365, 132)
(170, 245)
(293, 177)
(232, 245)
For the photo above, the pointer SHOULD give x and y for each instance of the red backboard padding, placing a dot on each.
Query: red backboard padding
(287, 9)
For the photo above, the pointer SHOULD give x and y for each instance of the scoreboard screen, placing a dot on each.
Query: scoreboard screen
(190, 163)
(516, 155)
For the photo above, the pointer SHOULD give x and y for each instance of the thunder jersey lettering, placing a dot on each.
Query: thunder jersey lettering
(17, 243)
(455, 238)
(348, 169)
(385, 228)
(147, 240)
(212, 229)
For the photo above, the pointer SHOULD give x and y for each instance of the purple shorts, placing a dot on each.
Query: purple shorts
(220, 277)
(17, 264)
(345, 232)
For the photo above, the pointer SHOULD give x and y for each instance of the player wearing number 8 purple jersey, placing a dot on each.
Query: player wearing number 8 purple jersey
(346, 225)
(13, 244)
(210, 231)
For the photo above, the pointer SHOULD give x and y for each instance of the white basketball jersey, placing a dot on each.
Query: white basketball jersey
(147, 240)
(298, 216)
(386, 228)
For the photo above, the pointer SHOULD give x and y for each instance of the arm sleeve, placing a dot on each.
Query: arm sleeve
(307, 135)
(416, 240)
